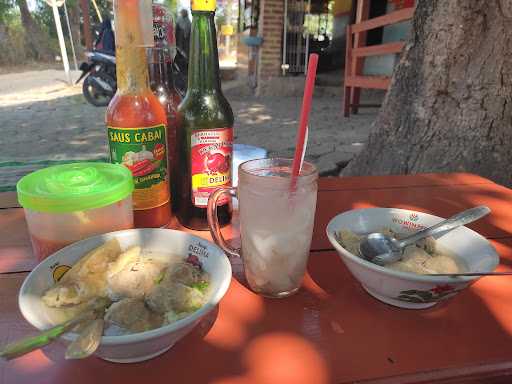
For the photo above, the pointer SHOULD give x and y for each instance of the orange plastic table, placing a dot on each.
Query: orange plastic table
(329, 332)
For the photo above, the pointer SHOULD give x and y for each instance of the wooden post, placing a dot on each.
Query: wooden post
(362, 13)
(84, 5)
(347, 94)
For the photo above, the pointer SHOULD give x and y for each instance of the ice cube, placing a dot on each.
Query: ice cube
(275, 260)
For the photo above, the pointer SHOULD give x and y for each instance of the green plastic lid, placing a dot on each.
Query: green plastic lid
(74, 187)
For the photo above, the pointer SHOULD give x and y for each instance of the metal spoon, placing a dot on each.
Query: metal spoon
(382, 249)
(469, 274)
(29, 344)
(87, 342)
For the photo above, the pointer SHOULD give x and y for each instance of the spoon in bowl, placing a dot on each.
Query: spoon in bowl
(28, 344)
(469, 274)
(87, 341)
(383, 249)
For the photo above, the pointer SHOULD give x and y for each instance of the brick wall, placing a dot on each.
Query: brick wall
(271, 29)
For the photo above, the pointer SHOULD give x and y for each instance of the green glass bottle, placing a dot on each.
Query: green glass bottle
(205, 127)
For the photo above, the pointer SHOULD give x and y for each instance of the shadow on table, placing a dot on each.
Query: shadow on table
(470, 329)
(442, 200)
(468, 195)
(330, 330)
(242, 345)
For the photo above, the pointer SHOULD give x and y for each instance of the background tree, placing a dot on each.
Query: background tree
(12, 35)
(449, 107)
(5, 9)
(74, 21)
(34, 34)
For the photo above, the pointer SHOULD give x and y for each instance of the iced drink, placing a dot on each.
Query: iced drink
(276, 224)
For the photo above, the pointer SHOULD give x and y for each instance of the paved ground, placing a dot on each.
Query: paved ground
(44, 121)
(19, 85)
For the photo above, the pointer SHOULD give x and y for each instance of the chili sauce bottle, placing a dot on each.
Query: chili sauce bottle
(136, 121)
(205, 127)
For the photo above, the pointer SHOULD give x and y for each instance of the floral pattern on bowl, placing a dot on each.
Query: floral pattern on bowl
(439, 292)
(402, 289)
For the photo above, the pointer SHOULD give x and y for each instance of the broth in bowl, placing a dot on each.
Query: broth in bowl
(142, 290)
(423, 258)
(415, 281)
(123, 345)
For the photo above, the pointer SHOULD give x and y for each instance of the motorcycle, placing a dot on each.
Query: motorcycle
(99, 73)
(100, 83)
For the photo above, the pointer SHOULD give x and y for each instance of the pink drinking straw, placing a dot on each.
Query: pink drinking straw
(304, 117)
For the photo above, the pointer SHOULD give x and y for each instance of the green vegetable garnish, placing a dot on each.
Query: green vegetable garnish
(159, 278)
(201, 286)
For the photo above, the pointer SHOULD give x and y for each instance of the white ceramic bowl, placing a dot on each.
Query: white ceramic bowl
(139, 346)
(407, 290)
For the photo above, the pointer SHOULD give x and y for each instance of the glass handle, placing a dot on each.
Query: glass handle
(213, 221)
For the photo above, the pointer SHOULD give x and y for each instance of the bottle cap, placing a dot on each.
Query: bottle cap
(204, 5)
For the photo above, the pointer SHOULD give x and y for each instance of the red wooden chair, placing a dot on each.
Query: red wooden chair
(356, 51)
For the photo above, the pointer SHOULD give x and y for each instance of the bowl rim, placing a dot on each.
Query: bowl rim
(214, 299)
(330, 231)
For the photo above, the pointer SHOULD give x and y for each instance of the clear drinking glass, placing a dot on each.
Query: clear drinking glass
(276, 223)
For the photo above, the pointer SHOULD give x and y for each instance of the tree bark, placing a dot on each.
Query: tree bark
(3, 32)
(3, 43)
(84, 6)
(35, 38)
(449, 106)
(74, 21)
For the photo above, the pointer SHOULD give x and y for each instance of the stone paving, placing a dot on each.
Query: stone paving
(272, 122)
(43, 121)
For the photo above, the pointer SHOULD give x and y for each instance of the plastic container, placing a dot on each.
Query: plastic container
(242, 153)
(67, 203)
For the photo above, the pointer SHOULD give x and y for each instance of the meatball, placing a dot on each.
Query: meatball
(172, 296)
(132, 315)
(184, 273)
(350, 241)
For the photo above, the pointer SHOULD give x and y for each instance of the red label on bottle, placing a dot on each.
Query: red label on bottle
(211, 154)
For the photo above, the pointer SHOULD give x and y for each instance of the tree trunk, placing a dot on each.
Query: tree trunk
(449, 106)
(87, 33)
(74, 21)
(3, 43)
(3, 32)
(36, 39)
